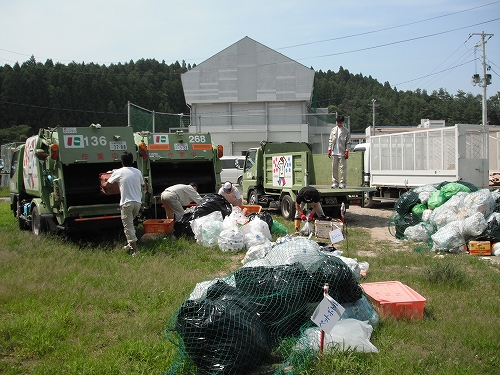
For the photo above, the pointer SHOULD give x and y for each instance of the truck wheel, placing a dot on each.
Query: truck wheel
(21, 222)
(252, 198)
(369, 202)
(240, 181)
(38, 224)
(287, 207)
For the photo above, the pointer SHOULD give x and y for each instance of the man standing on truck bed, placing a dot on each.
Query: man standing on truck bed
(340, 139)
(176, 196)
(130, 181)
(310, 196)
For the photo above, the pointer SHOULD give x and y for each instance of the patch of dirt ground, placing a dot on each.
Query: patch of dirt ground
(375, 220)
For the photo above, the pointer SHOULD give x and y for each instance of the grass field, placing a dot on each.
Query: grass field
(83, 306)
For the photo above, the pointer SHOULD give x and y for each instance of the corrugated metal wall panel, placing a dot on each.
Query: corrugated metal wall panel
(248, 71)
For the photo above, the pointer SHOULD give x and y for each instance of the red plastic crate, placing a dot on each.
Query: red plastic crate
(395, 299)
(163, 226)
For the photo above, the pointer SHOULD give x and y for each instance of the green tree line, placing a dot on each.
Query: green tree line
(36, 95)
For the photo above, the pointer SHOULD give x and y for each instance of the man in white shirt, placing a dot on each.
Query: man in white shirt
(130, 182)
(176, 196)
(232, 194)
(338, 150)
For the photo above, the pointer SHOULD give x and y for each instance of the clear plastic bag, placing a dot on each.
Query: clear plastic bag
(307, 229)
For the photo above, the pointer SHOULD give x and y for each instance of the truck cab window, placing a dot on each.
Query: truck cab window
(13, 166)
(250, 160)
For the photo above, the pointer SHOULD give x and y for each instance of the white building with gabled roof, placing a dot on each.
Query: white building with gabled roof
(249, 93)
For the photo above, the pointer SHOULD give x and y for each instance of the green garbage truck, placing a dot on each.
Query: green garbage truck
(275, 172)
(166, 159)
(55, 178)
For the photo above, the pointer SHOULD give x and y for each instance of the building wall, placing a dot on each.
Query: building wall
(249, 93)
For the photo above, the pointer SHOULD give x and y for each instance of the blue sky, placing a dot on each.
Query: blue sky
(426, 44)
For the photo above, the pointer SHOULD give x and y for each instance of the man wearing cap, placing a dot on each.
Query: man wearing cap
(338, 143)
(176, 196)
(231, 193)
(310, 196)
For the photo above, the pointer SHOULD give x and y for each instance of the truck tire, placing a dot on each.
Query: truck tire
(240, 181)
(287, 207)
(369, 202)
(38, 224)
(20, 221)
(252, 198)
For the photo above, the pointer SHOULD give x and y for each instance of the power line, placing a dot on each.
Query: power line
(402, 41)
(388, 28)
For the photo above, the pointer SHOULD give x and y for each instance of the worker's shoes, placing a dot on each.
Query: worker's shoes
(342, 186)
(128, 248)
(334, 186)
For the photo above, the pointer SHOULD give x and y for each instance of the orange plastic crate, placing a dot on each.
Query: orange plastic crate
(395, 299)
(163, 226)
(252, 208)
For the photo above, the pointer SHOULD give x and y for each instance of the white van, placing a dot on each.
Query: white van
(232, 169)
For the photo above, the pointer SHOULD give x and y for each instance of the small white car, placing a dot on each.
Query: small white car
(232, 169)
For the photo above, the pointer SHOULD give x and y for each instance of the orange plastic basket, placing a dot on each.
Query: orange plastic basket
(252, 208)
(163, 226)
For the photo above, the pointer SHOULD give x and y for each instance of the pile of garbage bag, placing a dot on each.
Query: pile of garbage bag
(447, 216)
(234, 324)
(230, 229)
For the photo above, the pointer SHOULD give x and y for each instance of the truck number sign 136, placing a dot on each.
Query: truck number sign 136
(80, 141)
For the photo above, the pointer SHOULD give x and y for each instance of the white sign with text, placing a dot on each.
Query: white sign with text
(327, 313)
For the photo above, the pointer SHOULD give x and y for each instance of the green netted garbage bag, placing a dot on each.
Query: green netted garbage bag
(419, 209)
(405, 202)
(222, 333)
(398, 224)
(450, 189)
(436, 199)
(248, 319)
(343, 286)
(279, 295)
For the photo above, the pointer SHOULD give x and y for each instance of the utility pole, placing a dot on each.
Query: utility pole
(373, 109)
(486, 80)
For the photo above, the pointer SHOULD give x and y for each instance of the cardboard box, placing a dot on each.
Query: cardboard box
(163, 226)
(395, 299)
(322, 228)
(480, 248)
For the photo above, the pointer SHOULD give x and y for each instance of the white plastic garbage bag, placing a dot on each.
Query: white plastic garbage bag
(419, 233)
(235, 219)
(197, 224)
(449, 238)
(210, 233)
(257, 225)
(480, 201)
(302, 250)
(257, 252)
(231, 240)
(474, 225)
(346, 334)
